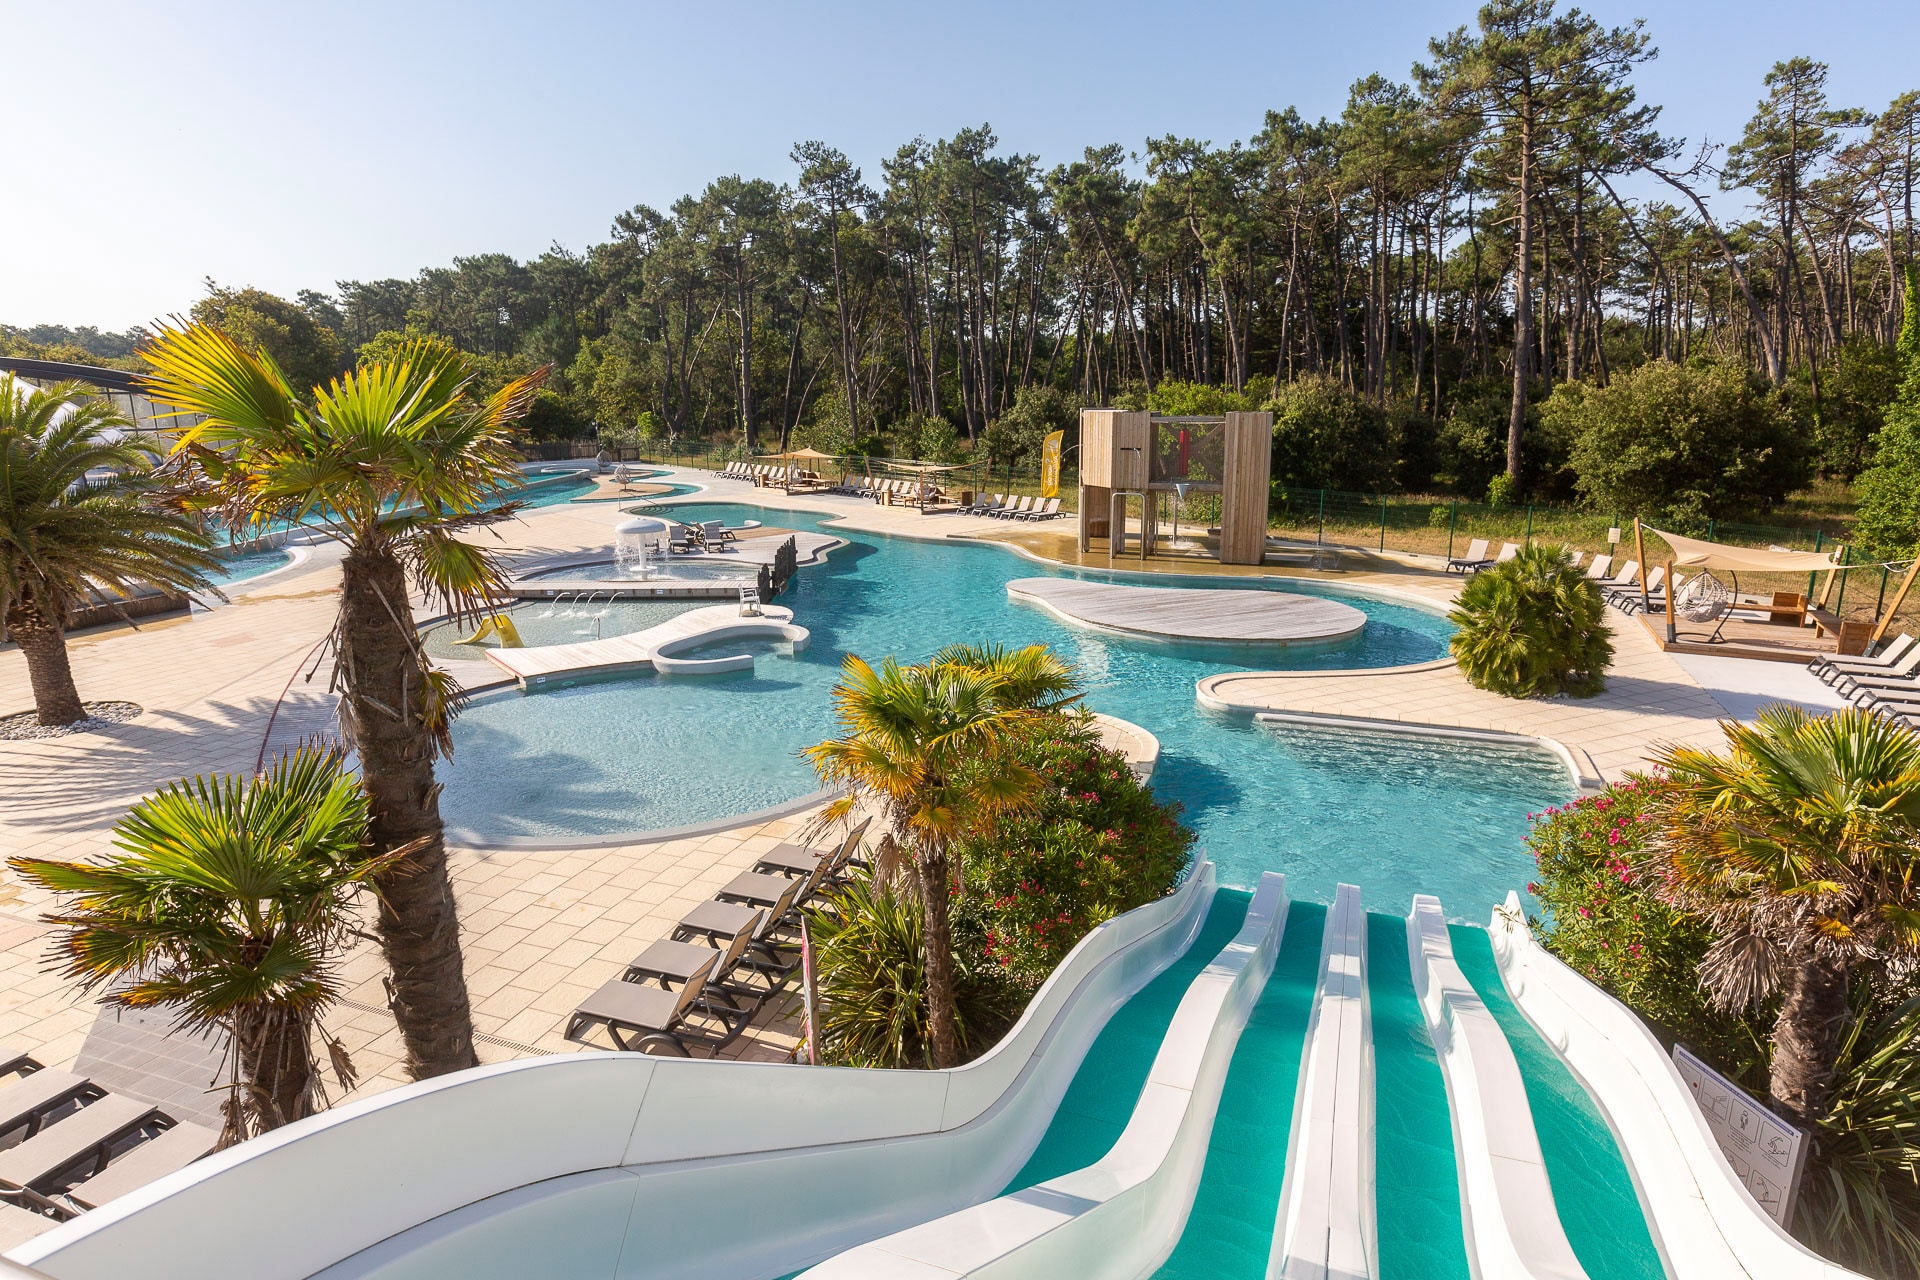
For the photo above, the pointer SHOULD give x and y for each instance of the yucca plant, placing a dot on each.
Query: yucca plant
(397, 459)
(872, 970)
(63, 534)
(229, 903)
(1860, 1196)
(1532, 626)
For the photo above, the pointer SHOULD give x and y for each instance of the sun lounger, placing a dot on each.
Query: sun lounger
(666, 962)
(736, 981)
(1475, 557)
(1017, 507)
(152, 1160)
(87, 1134)
(760, 889)
(1597, 568)
(1832, 667)
(1508, 550)
(1628, 576)
(1047, 511)
(1898, 676)
(656, 1018)
(1628, 598)
(16, 1062)
(26, 1103)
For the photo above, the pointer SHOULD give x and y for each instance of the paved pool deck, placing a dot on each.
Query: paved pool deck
(542, 928)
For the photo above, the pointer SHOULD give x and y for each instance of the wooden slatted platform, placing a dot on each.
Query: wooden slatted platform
(1197, 613)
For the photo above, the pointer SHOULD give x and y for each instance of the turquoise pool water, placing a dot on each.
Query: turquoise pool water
(560, 622)
(250, 564)
(1395, 815)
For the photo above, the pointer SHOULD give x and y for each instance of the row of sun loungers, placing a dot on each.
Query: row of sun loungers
(67, 1145)
(1003, 506)
(1477, 559)
(702, 986)
(1888, 683)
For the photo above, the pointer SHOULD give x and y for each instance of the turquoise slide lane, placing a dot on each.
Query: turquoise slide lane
(1591, 1186)
(1230, 1231)
(1416, 1182)
(1100, 1100)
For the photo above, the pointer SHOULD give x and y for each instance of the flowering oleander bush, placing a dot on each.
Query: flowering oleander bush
(1605, 920)
(1097, 844)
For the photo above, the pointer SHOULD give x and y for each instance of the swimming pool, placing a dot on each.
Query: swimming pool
(250, 564)
(559, 622)
(1396, 815)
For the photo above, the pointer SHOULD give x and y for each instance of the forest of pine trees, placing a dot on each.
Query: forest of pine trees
(1510, 218)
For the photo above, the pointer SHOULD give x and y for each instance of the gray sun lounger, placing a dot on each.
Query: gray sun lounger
(654, 1017)
(152, 1160)
(85, 1135)
(17, 1062)
(26, 1103)
(798, 860)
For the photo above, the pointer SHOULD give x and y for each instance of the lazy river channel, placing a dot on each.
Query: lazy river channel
(1394, 814)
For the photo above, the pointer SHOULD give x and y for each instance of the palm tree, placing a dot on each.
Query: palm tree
(1035, 677)
(62, 535)
(229, 903)
(930, 745)
(1800, 847)
(395, 460)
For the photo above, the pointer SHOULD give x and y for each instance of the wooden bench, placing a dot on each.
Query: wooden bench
(1850, 638)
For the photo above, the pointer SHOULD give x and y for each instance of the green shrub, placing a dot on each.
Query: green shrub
(1709, 439)
(1533, 627)
(872, 977)
(1502, 490)
(1097, 844)
(1328, 436)
(1196, 399)
(1608, 923)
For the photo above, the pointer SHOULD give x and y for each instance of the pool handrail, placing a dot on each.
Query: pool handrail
(1513, 1230)
(1123, 1214)
(1707, 1223)
(481, 1163)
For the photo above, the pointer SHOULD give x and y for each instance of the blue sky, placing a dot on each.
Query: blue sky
(285, 146)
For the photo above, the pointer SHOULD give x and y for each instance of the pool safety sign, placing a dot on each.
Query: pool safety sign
(1765, 1151)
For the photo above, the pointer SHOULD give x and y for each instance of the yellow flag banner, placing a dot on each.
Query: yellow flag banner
(1050, 465)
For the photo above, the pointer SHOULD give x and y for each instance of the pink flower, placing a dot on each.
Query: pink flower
(1585, 914)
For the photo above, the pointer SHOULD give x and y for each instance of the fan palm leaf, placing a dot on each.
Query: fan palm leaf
(228, 903)
(81, 513)
(395, 460)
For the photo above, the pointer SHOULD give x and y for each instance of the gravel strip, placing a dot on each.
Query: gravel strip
(26, 726)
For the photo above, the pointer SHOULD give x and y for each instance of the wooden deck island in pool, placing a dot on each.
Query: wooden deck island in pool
(1194, 613)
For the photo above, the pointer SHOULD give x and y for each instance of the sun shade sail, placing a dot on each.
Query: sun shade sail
(1694, 553)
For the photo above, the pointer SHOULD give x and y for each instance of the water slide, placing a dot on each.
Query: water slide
(1217, 1085)
(1386, 1098)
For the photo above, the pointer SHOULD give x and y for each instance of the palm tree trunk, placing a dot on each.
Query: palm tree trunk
(383, 710)
(935, 901)
(277, 1064)
(1806, 1039)
(43, 642)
